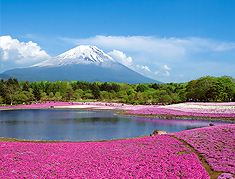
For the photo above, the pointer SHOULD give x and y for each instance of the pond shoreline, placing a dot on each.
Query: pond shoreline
(123, 113)
(5, 139)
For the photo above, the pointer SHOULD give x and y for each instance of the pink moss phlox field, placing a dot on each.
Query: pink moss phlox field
(216, 143)
(149, 157)
(165, 111)
(226, 176)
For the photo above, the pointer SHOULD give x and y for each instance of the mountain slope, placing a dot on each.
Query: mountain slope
(83, 63)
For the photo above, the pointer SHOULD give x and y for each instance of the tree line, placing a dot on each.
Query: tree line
(203, 89)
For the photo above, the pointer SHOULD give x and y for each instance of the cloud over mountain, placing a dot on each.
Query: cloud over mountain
(163, 47)
(181, 54)
(121, 57)
(19, 54)
(166, 67)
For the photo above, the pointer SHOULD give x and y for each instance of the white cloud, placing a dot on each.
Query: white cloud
(28, 36)
(143, 67)
(181, 54)
(166, 73)
(166, 67)
(121, 57)
(160, 47)
(156, 72)
(20, 54)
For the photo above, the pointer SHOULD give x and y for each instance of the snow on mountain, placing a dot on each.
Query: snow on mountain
(83, 54)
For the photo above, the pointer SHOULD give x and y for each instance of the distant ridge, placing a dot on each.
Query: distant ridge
(83, 63)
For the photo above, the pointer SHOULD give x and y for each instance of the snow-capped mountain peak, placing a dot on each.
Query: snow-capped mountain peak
(83, 54)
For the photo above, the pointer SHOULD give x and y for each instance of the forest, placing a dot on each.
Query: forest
(204, 89)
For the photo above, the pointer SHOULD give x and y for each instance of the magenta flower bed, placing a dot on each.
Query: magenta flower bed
(216, 143)
(166, 111)
(149, 157)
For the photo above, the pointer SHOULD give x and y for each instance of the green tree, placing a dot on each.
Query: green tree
(95, 90)
(26, 86)
(21, 97)
(182, 95)
(88, 95)
(58, 96)
(104, 95)
(44, 96)
(200, 89)
(42, 86)
(142, 88)
(155, 86)
(51, 96)
(1, 100)
(3, 91)
(12, 88)
(62, 87)
(165, 99)
(49, 87)
(130, 91)
(115, 87)
(36, 92)
(105, 87)
(175, 98)
(131, 98)
(69, 93)
(229, 87)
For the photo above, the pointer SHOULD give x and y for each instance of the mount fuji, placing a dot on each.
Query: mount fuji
(83, 63)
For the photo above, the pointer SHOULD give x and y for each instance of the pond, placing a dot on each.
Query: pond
(84, 125)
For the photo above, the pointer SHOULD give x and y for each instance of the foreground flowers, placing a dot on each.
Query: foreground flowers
(149, 157)
(216, 143)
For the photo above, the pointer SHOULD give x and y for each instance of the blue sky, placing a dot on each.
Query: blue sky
(170, 41)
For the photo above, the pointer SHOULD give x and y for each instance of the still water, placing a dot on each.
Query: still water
(84, 125)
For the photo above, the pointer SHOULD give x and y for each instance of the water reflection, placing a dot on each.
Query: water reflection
(83, 125)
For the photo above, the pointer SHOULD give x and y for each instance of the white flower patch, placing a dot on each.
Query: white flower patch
(183, 105)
